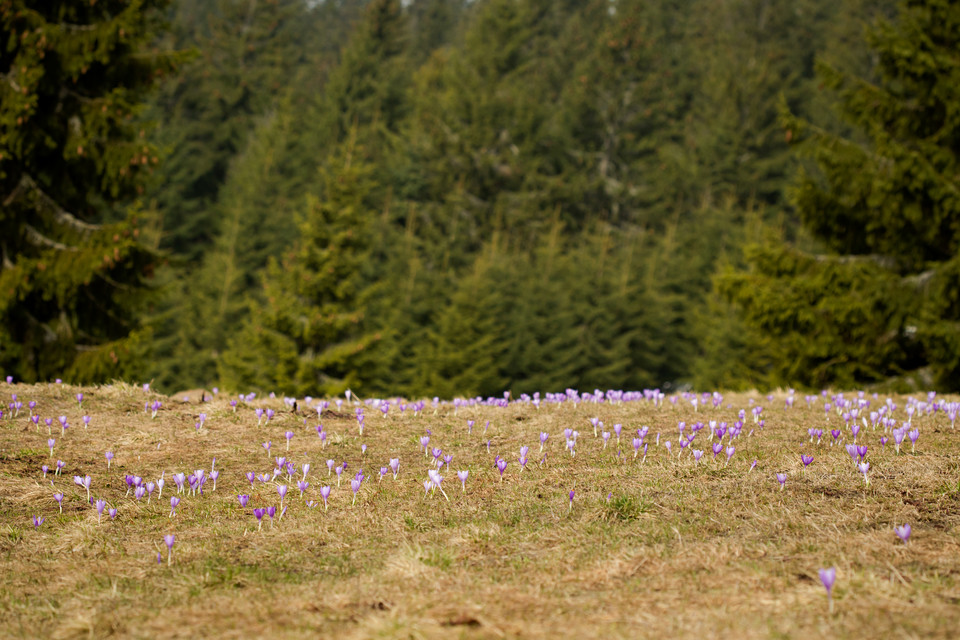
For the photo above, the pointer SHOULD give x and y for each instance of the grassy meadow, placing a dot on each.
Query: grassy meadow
(650, 546)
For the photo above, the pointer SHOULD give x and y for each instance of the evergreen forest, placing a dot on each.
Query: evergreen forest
(460, 198)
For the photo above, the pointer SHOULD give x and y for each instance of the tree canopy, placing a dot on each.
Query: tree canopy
(873, 294)
(72, 155)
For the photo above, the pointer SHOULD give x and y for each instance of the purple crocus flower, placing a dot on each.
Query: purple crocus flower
(45, 469)
(355, 487)
(395, 466)
(806, 460)
(80, 400)
(437, 481)
(383, 471)
(243, 499)
(100, 506)
(330, 465)
(828, 577)
(914, 435)
(251, 476)
(730, 452)
(282, 490)
(339, 472)
(60, 465)
(271, 512)
(86, 421)
(169, 539)
(112, 512)
(462, 476)
(697, 454)
(543, 440)
(572, 493)
(258, 514)
(37, 521)
(501, 467)
(174, 501)
(852, 451)
(59, 498)
(109, 456)
(864, 467)
(289, 436)
(50, 443)
(325, 494)
(898, 436)
(424, 442)
(782, 479)
(903, 532)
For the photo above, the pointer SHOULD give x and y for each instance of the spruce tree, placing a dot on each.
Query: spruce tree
(876, 297)
(73, 76)
(308, 334)
(464, 351)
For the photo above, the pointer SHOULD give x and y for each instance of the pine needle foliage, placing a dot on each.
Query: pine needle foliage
(72, 76)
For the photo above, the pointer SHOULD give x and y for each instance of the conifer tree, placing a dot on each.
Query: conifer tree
(366, 93)
(248, 54)
(72, 76)
(308, 334)
(464, 352)
(877, 298)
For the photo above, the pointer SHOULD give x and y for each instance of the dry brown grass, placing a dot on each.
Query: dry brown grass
(677, 551)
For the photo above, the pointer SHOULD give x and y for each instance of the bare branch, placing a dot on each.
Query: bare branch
(48, 333)
(13, 194)
(885, 262)
(114, 283)
(11, 82)
(66, 26)
(62, 215)
(920, 280)
(38, 239)
(915, 281)
(6, 264)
